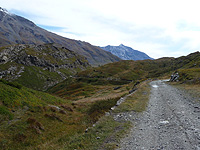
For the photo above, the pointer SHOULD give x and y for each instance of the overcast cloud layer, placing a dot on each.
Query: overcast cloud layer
(160, 28)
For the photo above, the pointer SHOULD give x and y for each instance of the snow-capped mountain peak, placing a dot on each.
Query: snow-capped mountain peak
(126, 53)
(4, 10)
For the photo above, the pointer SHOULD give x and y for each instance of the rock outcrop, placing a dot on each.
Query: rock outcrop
(48, 63)
(174, 77)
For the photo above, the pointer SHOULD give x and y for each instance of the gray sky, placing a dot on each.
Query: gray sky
(160, 28)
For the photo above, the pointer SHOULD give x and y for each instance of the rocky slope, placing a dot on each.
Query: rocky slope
(39, 66)
(126, 53)
(18, 30)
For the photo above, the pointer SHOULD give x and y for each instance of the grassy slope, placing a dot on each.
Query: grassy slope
(89, 95)
(16, 106)
(29, 121)
(22, 109)
(190, 71)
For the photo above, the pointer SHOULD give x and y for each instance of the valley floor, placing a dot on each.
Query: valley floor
(171, 121)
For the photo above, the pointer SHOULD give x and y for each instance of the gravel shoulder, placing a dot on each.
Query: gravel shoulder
(170, 122)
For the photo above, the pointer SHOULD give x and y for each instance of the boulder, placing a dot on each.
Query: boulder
(174, 77)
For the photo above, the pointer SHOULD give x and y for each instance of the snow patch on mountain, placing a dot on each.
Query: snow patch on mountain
(5, 11)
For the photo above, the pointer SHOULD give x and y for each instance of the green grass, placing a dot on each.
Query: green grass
(5, 113)
(36, 77)
(98, 108)
(105, 135)
(65, 134)
(13, 97)
(191, 75)
(18, 105)
(136, 102)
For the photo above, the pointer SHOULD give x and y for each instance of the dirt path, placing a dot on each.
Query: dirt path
(171, 122)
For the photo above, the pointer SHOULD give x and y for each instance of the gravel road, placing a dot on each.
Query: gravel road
(171, 122)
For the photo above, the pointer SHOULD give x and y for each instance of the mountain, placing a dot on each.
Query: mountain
(126, 53)
(18, 30)
(39, 66)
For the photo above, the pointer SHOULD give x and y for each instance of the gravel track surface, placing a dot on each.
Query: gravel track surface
(170, 122)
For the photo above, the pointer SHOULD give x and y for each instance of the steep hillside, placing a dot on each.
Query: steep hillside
(126, 53)
(18, 30)
(39, 66)
(189, 71)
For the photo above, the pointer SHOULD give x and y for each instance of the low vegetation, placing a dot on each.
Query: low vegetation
(31, 119)
(72, 115)
(190, 76)
(136, 102)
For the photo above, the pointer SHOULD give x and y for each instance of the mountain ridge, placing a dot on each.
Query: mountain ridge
(126, 53)
(15, 29)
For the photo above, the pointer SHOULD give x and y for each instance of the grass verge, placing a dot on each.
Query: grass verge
(107, 132)
(104, 135)
(137, 101)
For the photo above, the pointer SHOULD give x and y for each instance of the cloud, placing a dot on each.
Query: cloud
(158, 28)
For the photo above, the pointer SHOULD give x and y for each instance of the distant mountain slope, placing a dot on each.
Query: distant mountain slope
(126, 53)
(129, 70)
(39, 67)
(18, 30)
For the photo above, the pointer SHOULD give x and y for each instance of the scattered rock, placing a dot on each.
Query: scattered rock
(53, 117)
(86, 130)
(54, 108)
(34, 124)
(39, 125)
(116, 88)
(67, 108)
(131, 91)
(62, 112)
(37, 130)
(136, 83)
(164, 122)
(174, 77)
